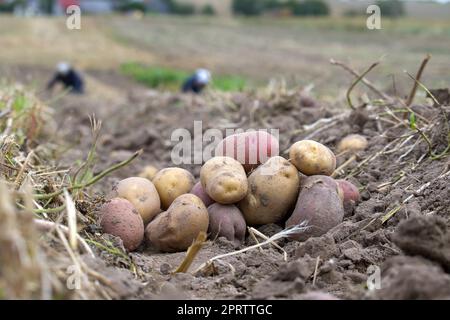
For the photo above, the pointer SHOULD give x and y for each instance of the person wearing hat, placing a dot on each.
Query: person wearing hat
(197, 82)
(66, 75)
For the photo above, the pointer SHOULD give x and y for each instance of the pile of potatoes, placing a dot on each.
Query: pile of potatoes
(169, 208)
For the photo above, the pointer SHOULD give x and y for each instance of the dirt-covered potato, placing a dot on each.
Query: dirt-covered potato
(148, 172)
(171, 183)
(201, 193)
(224, 180)
(312, 158)
(319, 204)
(225, 220)
(120, 218)
(142, 194)
(175, 229)
(350, 194)
(249, 148)
(352, 143)
(273, 189)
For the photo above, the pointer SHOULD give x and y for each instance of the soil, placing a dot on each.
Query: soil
(411, 248)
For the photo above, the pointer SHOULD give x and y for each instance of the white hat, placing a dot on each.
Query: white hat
(63, 67)
(203, 76)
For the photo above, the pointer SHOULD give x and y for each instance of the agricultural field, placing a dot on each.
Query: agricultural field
(66, 159)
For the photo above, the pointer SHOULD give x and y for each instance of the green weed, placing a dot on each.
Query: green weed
(172, 79)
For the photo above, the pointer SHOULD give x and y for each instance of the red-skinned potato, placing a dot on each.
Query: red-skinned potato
(224, 180)
(350, 194)
(330, 182)
(171, 183)
(201, 193)
(249, 148)
(273, 189)
(142, 194)
(120, 218)
(175, 229)
(308, 182)
(319, 204)
(226, 221)
(312, 158)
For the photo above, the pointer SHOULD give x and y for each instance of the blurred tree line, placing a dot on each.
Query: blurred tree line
(170, 6)
(391, 8)
(239, 7)
(293, 7)
(388, 8)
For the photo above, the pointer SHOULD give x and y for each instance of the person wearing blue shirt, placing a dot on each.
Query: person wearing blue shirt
(197, 82)
(67, 76)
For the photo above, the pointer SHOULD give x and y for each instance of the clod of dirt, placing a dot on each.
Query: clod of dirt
(359, 117)
(287, 281)
(307, 101)
(407, 278)
(344, 230)
(427, 236)
(303, 268)
(352, 250)
(323, 246)
(121, 282)
(441, 95)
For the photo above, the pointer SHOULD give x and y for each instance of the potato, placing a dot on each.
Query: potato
(350, 195)
(142, 194)
(175, 229)
(249, 148)
(312, 158)
(310, 181)
(225, 220)
(332, 183)
(319, 204)
(148, 172)
(273, 189)
(120, 218)
(171, 183)
(200, 192)
(224, 180)
(352, 143)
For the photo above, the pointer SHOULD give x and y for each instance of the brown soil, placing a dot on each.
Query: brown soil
(411, 248)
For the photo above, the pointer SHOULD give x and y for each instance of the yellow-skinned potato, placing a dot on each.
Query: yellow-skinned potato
(273, 190)
(312, 158)
(224, 180)
(175, 229)
(352, 143)
(148, 172)
(171, 183)
(142, 194)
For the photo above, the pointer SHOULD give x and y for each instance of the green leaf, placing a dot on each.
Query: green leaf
(19, 103)
(412, 120)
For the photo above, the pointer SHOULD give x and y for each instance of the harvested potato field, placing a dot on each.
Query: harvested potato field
(341, 191)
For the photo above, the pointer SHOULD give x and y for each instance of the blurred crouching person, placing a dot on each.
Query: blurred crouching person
(197, 82)
(68, 77)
